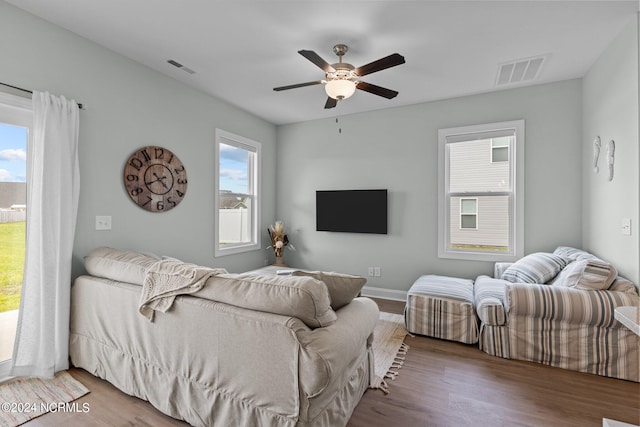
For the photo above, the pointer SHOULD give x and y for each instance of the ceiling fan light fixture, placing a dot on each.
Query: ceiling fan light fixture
(340, 88)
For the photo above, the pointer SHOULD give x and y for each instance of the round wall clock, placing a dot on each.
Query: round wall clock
(155, 179)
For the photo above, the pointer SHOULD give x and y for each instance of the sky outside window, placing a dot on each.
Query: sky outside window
(13, 153)
(234, 169)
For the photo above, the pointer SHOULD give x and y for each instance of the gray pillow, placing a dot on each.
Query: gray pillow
(342, 287)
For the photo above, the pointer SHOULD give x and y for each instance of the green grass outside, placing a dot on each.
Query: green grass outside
(12, 250)
(481, 247)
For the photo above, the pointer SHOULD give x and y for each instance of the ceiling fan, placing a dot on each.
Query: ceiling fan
(342, 79)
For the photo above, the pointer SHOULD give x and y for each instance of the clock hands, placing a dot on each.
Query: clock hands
(159, 179)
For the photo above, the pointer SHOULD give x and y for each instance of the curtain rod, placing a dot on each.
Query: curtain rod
(80, 106)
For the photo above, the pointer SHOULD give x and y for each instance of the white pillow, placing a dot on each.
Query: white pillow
(589, 274)
(539, 267)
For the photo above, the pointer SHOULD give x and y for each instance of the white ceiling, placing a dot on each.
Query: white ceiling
(242, 49)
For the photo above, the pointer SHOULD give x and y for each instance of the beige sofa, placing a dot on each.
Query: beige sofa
(250, 350)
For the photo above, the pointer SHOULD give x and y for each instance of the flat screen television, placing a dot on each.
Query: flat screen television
(352, 211)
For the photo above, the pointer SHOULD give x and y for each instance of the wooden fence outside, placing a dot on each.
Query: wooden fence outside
(12, 216)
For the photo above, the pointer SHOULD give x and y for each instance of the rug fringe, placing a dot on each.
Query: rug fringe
(397, 364)
(388, 336)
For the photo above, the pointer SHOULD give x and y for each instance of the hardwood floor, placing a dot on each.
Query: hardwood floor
(441, 384)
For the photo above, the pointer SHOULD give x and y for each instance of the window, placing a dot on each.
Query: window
(500, 149)
(16, 118)
(469, 213)
(481, 197)
(237, 205)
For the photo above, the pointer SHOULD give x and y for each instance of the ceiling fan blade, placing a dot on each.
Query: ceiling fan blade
(317, 82)
(377, 90)
(381, 64)
(316, 59)
(330, 102)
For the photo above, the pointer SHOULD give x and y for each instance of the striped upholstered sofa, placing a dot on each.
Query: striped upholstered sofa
(558, 309)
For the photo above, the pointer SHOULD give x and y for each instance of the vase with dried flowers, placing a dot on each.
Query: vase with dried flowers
(279, 240)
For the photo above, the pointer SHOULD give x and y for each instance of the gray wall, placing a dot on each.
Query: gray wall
(397, 149)
(130, 106)
(610, 110)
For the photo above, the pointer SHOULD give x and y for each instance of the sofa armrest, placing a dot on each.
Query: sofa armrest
(499, 268)
(548, 302)
(329, 352)
(489, 299)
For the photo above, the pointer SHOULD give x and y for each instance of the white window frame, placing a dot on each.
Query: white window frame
(228, 138)
(16, 111)
(516, 194)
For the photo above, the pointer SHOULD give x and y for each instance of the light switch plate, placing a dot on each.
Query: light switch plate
(626, 226)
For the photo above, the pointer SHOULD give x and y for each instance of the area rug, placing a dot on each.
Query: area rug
(23, 399)
(389, 350)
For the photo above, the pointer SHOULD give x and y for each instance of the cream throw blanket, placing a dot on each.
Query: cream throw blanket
(168, 278)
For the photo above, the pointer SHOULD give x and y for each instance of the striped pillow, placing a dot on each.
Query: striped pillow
(589, 274)
(569, 253)
(539, 267)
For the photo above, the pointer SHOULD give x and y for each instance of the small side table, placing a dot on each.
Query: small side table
(629, 317)
(606, 422)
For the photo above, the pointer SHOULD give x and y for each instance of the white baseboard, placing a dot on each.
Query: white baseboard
(391, 294)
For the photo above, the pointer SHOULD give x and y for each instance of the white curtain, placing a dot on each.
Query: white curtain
(53, 185)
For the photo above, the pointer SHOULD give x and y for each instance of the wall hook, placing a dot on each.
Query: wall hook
(611, 154)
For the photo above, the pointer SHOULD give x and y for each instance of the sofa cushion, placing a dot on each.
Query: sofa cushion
(115, 264)
(620, 284)
(442, 307)
(489, 300)
(342, 287)
(304, 297)
(538, 267)
(588, 274)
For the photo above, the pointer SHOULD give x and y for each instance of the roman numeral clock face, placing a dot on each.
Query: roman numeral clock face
(155, 179)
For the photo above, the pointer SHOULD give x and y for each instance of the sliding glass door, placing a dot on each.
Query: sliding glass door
(15, 124)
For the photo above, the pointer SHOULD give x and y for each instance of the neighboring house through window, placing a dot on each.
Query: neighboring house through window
(237, 198)
(481, 192)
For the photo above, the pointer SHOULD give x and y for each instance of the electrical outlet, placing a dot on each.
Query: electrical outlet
(103, 223)
(370, 271)
(376, 271)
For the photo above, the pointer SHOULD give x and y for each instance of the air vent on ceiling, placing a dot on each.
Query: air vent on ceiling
(179, 65)
(521, 70)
